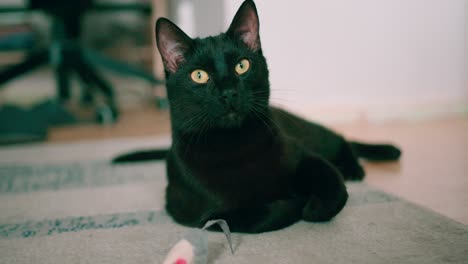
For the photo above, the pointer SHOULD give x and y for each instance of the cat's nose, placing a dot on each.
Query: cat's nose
(228, 96)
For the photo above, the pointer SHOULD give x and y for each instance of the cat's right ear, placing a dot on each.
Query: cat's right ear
(245, 25)
(172, 44)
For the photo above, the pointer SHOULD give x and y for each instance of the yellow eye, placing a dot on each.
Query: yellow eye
(200, 76)
(243, 66)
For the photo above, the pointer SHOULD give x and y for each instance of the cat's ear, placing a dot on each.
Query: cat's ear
(245, 26)
(172, 44)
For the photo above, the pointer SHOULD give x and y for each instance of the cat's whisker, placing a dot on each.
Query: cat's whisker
(279, 104)
(204, 125)
(293, 121)
(261, 108)
(258, 92)
(269, 118)
(257, 112)
(193, 122)
(259, 104)
(285, 90)
(281, 99)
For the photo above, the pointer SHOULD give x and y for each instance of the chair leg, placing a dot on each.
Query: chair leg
(108, 112)
(62, 78)
(119, 67)
(91, 77)
(32, 62)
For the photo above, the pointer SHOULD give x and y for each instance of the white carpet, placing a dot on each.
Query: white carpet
(66, 204)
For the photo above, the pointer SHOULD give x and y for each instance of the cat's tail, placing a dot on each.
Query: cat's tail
(145, 155)
(376, 152)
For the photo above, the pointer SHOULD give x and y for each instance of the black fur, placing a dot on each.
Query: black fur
(145, 155)
(235, 157)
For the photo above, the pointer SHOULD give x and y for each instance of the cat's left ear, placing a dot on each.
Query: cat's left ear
(245, 26)
(172, 44)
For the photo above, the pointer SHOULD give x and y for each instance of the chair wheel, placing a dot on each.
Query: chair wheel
(106, 114)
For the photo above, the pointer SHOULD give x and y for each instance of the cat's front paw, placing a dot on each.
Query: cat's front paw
(319, 210)
(353, 172)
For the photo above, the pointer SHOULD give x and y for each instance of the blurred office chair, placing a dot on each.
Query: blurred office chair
(67, 56)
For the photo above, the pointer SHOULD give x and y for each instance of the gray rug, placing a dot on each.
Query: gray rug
(90, 212)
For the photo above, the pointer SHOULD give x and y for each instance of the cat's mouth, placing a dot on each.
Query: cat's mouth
(232, 112)
(231, 118)
(232, 115)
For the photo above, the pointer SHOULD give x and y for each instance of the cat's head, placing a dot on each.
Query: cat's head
(215, 82)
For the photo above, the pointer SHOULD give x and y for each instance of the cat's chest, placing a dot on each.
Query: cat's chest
(234, 160)
(241, 174)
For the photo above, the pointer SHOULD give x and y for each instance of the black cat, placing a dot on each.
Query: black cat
(235, 157)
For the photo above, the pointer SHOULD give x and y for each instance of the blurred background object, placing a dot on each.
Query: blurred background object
(65, 51)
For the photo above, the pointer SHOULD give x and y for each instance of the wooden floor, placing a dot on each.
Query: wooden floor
(131, 123)
(433, 171)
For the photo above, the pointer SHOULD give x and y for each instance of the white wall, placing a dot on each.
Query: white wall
(378, 58)
(200, 18)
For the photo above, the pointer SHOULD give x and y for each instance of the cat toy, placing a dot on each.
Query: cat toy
(193, 248)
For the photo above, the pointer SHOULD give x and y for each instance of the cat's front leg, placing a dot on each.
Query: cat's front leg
(187, 206)
(263, 218)
(322, 185)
